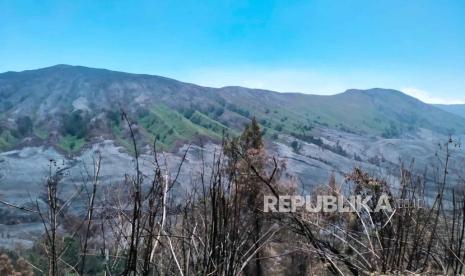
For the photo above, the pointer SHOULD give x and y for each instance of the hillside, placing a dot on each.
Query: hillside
(457, 109)
(70, 106)
(71, 115)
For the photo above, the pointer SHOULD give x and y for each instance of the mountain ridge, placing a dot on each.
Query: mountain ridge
(68, 106)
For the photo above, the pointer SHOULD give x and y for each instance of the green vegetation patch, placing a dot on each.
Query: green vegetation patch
(7, 140)
(168, 126)
(71, 143)
(75, 124)
(41, 133)
(204, 121)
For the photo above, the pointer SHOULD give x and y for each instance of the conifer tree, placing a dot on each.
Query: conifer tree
(247, 152)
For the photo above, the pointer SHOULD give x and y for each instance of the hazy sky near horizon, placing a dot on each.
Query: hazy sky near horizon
(320, 47)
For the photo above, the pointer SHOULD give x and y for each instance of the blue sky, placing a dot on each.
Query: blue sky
(321, 47)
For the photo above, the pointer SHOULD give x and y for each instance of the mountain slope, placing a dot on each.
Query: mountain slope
(457, 109)
(70, 106)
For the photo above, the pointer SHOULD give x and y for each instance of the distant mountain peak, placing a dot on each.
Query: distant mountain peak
(376, 91)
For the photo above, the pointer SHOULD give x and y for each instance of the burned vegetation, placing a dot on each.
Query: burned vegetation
(218, 227)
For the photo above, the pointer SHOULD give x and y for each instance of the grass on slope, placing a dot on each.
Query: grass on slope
(169, 126)
(380, 112)
(7, 140)
(42, 134)
(71, 143)
(206, 122)
(373, 112)
(284, 120)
